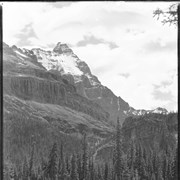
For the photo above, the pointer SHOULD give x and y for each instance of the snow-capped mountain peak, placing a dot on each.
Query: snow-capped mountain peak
(62, 60)
(62, 48)
(59, 60)
(160, 110)
(140, 112)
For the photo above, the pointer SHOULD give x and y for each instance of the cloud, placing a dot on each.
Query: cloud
(60, 4)
(25, 35)
(159, 45)
(163, 84)
(126, 75)
(93, 40)
(116, 39)
(163, 96)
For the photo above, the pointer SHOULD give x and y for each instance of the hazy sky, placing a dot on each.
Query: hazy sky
(125, 47)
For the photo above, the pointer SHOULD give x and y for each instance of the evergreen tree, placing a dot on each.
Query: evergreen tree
(136, 175)
(164, 138)
(19, 173)
(159, 175)
(137, 158)
(31, 162)
(126, 171)
(165, 167)
(149, 166)
(153, 177)
(106, 171)
(118, 153)
(67, 164)
(25, 170)
(91, 169)
(99, 173)
(12, 173)
(62, 166)
(111, 172)
(142, 168)
(79, 166)
(174, 172)
(131, 157)
(85, 157)
(51, 169)
(73, 174)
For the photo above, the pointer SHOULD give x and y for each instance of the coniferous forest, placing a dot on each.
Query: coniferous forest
(135, 164)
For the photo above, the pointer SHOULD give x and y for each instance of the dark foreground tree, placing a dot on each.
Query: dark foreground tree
(51, 169)
(74, 174)
(84, 158)
(25, 170)
(118, 164)
(169, 16)
(106, 172)
(31, 161)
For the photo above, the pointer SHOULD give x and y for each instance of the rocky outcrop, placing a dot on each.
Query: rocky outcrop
(62, 48)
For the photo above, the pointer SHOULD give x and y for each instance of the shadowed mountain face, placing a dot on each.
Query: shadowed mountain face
(153, 131)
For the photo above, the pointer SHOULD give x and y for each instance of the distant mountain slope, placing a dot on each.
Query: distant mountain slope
(151, 131)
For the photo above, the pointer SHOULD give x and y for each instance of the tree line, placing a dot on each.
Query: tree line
(135, 164)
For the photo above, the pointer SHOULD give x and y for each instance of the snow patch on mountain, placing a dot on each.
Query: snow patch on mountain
(61, 62)
(23, 55)
(160, 110)
(140, 112)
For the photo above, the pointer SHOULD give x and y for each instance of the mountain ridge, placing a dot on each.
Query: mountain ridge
(62, 60)
(49, 106)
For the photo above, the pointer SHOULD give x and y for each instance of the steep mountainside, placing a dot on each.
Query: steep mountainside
(75, 76)
(62, 60)
(42, 105)
(27, 79)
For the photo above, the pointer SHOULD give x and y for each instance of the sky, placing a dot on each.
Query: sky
(129, 50)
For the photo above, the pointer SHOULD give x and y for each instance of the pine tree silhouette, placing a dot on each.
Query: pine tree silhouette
(51, 169)
(118, 153)
(74, 174)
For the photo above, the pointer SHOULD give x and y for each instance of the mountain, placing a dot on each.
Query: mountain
(140, 112)
(43, 106)
(63, 60)
(52, 96)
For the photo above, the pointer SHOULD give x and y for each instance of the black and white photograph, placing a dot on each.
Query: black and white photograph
(90, 90)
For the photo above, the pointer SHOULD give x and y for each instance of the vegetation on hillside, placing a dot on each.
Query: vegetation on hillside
(134, 163)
